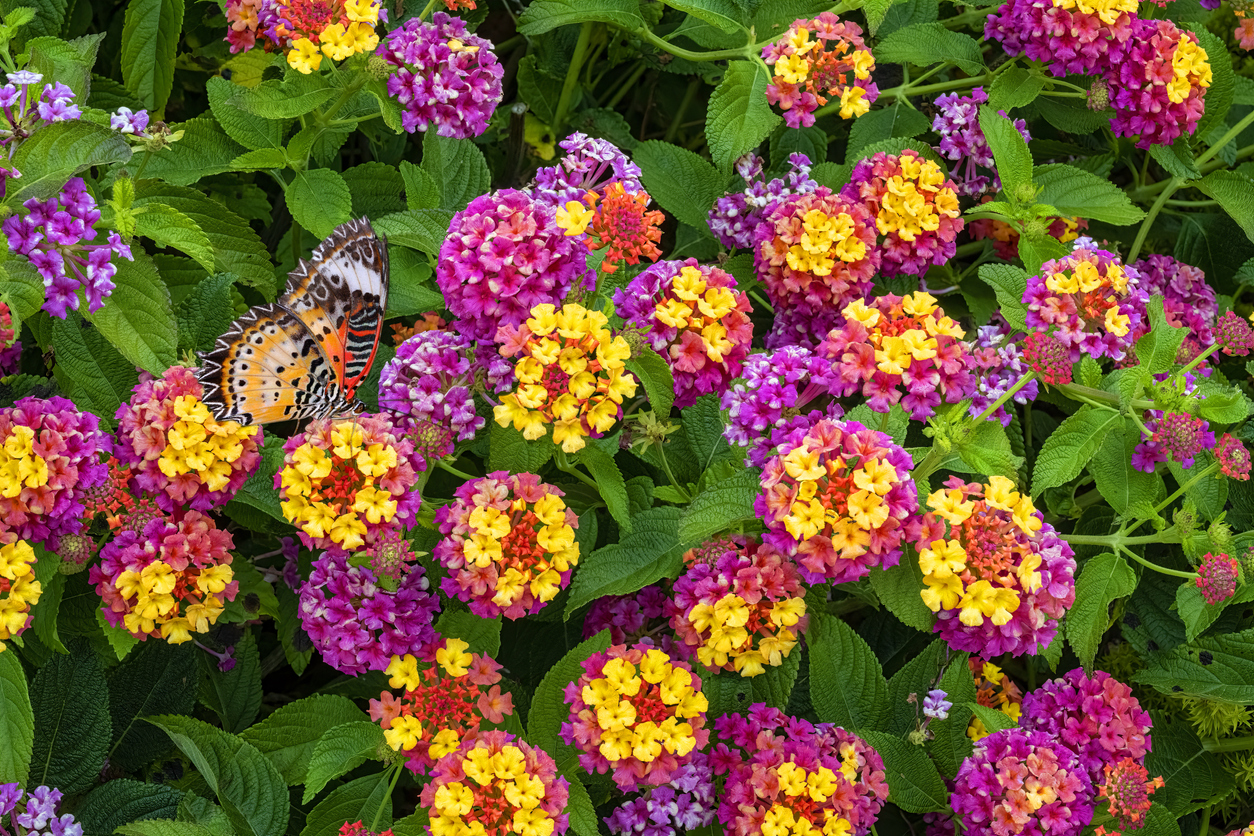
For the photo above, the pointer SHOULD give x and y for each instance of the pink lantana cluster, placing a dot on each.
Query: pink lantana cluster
(1188, 301)
(900, 345)
(1158, 81)
(1217, 577)
(1094, 303)
(787, 775)
(837, 498)
(694, 317)
(816, 59)
(1000, 577)
(1074, 37)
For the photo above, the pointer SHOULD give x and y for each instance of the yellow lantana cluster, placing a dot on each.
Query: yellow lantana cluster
(731, 634)
(816, 786)
(824, 240)
(915, 199)
(20, 466)
(571, 373)
(17, 582)
(1085, 278)
(196, 443)
(341, 35)
(993, 689)
(1190, 66)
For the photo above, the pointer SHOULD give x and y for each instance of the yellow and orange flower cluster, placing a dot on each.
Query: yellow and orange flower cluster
(307, 30)
(571, 373)
(440, 705)
(198, 444)
(622, 222)
(18, 585)
(993, 689)
(344, 482)
(637, 712)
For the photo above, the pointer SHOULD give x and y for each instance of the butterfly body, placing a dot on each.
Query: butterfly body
(304, 355)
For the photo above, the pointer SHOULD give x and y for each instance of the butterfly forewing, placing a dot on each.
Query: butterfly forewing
(340, 295)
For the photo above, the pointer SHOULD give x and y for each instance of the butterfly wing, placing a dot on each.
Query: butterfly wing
(267, 367)
(340, 295)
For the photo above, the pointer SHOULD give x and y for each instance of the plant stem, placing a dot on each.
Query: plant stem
(1027, 378)
(1232, 134)
(628, 85)
(1114, 540)
(1207, 471)
(1088, 393)
(143, 164)
(1162, 570)
(677, 118)
(1233, 744)
(666, 465)
(427, 11)
(445, 466)
(689, 55)
(572, 78)
(1172, 186)
(387, 799)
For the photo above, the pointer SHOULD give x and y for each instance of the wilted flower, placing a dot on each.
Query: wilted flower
(806, 72)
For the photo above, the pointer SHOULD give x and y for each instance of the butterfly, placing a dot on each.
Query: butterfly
(304, 355)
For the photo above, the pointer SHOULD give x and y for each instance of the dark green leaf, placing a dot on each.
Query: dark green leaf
(1192, 776)
(897, 120)
(158, 678)
(1226, 676)
(655, 375)
(150, 36)
(1119, 482)
(914, 785)
(721, 506)
(739, 117)
(508, 450)
(138, 318)
(683, 183)
(71, 705)
(1009, 283)
(458, 167)
(251, 131)
(355, 801)
(123, 800)
(482, 634)
(544, 15)
(17, 721)
(610, 483)
(1104, 580)
(548, 705)
(339, 750)
(898, 588)
(89, 369)
(1235, 193)
(847, 684)
(652, 551)
(925, 44)
(205, 313)
(235, 696)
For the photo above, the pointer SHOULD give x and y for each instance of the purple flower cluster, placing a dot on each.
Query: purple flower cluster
(628, 617)
(38, 816)
(504, 255)
(445, 75)
(54, 235)
(1061, 34)
(958, 123)
(997, 364)
(24, 112)
(357, 623)
(431, 380)
(683, 805)
(735, 216)
(1188, 301)
(590, 165)
(776, 389)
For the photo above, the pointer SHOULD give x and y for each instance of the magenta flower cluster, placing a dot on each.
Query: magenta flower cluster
(445, 76)
(54, 235)
(735, 216)
(1092, 300)
(357, 623)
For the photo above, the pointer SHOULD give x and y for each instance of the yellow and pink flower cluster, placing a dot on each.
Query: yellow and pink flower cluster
(306, 30)
(816, 59)
(635, 712)
(571, 374)
(18, 586)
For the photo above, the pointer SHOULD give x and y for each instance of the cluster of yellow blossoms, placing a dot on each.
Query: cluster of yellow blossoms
(17, 582)
(20, 466)
(811, 788)
(571, 373)
(196, 443)
(993, 689)
(347, 33)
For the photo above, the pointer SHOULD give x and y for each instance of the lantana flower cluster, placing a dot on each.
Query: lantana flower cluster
(176, 450)
(993, 689)
(837, 498)
(787, 775)
(636, 713)
(1094, 303)
(171, 580)
(49, 464)
(915, 207)
(1217, 577)
(26, 109)
(590, 164)
(445, 75)
(306, 30)
(957, 121)
(504, 255)
(684, 804)
(736, 215)
(629, 618)
(571, 374)
(1158, 82)
(1188, 301)
(741, 611)
(496, 783)
(900, 343)
(344, 482)
(1074, 37)
(508, 544)
(616, 220)
(55, 235)
(18, 587)
(440, 705)
(695, 318)
(358, 620)
(1000, 578)
(817, 59)
(998, 363)
(1127, 788)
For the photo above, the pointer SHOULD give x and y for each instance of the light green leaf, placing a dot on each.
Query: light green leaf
(1222, 87)
(1235, 193)
(137, 318)
(261, 159)
(539, 89)
(1104, 580)
(150, 35)
(1119, 482)
(457, 166)
(1177, 159)
(847, 684)
(683, 183)
(914, 784)
(925, 44)
(986, 450)
(204, 150)
(68, 62)
(651, 551)
(290, 98)
(17, 721)
(610, 483)
(723, 14)
(1209, 494)
(289, 736)
(118, 638)
(721, 506)
(1009, 283)
(1157, 349)
(411, 290)
(739, 117)
(508, 450)
(55, 153)
(1010, 152)
(419, 229)
(1068, 449)
(654, 374)
(1015, 87)
(249, 130)
(319, 200)
(168, 227)
(544, 15)
(992, 719)
(1076, 192)
(22, 286)
(340, 750)
(548, 705)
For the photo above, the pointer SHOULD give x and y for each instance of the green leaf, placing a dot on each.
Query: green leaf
(1228, 676)
(37, 17)
(355, 801)
(703, 424)
(992, 719)
(123, 800)
(168, 227)
(1037, 248)
(721, 506)
(289, 98)
(925, 44)
(610, 483)
(1177, 159)
(655, 374)
(1104, 580)
(739, 117)
(205, 313)
(121, 641)
(482, 634)
(917, 676)
(458, 167)
(319, 200)
(248, 787)
(914, 785)
(1070, 447)
(258, 492)
(1009, 283)
(986, 450)
(651, 551)
(1119, 482)
(731, 692)
(1223, 83)
(508, 450)
(55, 153)
(876, 126)
(376, 190)
(137, 318)
(1076, 192)
(1072, 115)
(261, 159)
(22, 286)
(1157, 349)
(1209, 494)
(44, 618)
(1192, 776)
(150, 35)
(89, 369)
(204, 150)
(68, 62)
(549, 708)
(411, 291)
(159, 678)
(339, 750)
(1222, 405)
(847, 684)
(1015, 87)
(723, 14)
(419, 229)
(251, 131)
(544, 15)
(1235, 193)
(1010, 152)
(164, 827)
(539, 89)
(289, 736)
(17, 721)
(683, 183)
(235, 696)
(71, 705)
(583, 815)
(899, 587)
(1198, 615)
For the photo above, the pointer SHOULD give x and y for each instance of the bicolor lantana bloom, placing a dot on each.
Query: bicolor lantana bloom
(636, 713)
(1073, 37)
(305, 30)
(19, 591)
(508, 544)
(993, 689)
(570, 374)
(590, 164)
(817, 59)
(1158, 81)
(736, 215)
(1093, 302)
(343, 482)
(957, 121)
(837, 498)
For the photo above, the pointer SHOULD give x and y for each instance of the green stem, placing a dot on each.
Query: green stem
(1232, 134)
(1162, 570)
(296, 236)
(427, 11)
(460, 474)
(1200, 358)
(903, 90)
(1007, 395)
(572, 78)
(564, 465)
(1088, 393)
(1146, 192)
(142, 165)
(1172, 186)
(687, 54)
(347, 93)
(1232, 744)
(757, 297)
(387, 799)
(689, 95)
(1114, 540)
(628, 85)
(666, 465)
(1192, 204)
(1212, 468)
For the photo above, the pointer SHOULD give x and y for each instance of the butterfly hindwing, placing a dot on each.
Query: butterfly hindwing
(340, 294)
(266, 368)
